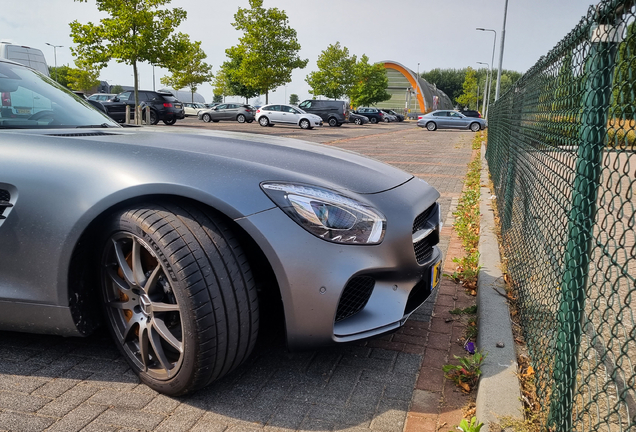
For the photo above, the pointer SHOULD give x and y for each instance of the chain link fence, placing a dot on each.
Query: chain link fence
(561, 152)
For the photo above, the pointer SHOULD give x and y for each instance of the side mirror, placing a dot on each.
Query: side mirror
(115, 99)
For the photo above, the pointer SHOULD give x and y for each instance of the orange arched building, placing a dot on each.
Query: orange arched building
(412, 93)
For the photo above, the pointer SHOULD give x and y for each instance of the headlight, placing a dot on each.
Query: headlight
(328, 214)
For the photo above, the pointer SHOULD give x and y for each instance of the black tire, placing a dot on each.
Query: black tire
(475, 127)
(358, 121)
(263, 121)
(215, 121)
(179, 295)
(333, 122)
(431, 126)
(154, 118)
(206, 118)
(170, 121)
(373, 120)
(304, 124)
(250, 120)
(240, 118)
(339, 124)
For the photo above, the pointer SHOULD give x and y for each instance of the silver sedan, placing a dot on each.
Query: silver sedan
(448, 119)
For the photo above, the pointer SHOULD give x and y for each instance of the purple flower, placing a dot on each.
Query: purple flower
(470, 347)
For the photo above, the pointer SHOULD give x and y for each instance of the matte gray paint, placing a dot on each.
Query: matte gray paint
(64, 183)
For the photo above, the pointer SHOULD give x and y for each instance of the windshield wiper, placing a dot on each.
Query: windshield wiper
(103, 125)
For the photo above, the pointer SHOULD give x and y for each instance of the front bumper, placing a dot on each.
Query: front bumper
(315, 276)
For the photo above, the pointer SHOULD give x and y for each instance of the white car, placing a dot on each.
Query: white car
(270, 115)
(192, 109)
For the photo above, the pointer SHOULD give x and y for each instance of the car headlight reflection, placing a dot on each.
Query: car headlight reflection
(328, 214)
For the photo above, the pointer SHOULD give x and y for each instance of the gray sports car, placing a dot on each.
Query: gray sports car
(178, 241)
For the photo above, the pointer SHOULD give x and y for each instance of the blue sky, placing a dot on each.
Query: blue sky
(432, 33)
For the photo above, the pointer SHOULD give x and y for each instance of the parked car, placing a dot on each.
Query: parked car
(447, 119)
(357, 119)
(269, 115)
(471, 113)
(101, 96)
(184, 239)
(163, 106)
(373, 114)
(389, 117)
(333, 112)
(231, 111)
(192, 109)
(400, 117)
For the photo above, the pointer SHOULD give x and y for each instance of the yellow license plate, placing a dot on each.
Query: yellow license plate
(23, 111)
(436, 273)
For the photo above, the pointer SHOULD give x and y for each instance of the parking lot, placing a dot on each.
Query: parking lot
(71, 384)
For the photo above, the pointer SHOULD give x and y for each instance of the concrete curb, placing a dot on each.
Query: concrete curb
(498, 394)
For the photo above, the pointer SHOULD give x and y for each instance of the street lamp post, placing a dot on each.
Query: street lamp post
(501, 50)
(54, 56)
(483, 106)
(492, 64)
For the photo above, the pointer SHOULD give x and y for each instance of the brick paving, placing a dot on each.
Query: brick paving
(390, 384)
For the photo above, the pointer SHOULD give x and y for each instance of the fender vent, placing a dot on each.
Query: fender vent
(354, 297)
(82, 134)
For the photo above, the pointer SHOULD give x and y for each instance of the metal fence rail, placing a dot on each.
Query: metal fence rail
(561, 151)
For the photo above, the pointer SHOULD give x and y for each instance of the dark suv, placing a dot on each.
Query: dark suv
(373, 114)
(471, 113)
(163, 106)
(334, 112)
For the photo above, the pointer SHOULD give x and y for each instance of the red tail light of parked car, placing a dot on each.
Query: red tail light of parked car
(167, 105)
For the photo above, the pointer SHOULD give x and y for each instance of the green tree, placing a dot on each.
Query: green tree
(371, 83)
(231, 82)
(469, 96)
(60, 74)
(135, 31)
(294, 99)
(450, 81)
(217, 98)
(116, 89)
(188, 69)
(83, 78)
(336, 73)
(269, 47)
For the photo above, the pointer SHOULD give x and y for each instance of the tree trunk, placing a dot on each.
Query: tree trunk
(267, 97)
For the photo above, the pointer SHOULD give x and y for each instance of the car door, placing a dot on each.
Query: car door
(289, 114)
(456, 120)
(441, 118)
(216, 113)
(274, 114)
(231, 112)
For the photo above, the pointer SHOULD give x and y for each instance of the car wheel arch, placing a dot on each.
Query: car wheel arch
(78, 277)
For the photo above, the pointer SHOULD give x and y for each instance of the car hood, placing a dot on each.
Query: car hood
(256, 156)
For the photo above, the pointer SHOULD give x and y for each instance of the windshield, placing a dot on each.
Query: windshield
(31, 100)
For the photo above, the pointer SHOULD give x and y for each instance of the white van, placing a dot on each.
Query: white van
(25, 55)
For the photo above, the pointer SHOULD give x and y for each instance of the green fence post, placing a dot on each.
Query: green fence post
(599, 71)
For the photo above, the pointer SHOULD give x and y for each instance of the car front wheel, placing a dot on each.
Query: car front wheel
(179, 296)
(206, 118)
(304, 124)
(263, 121)
(373, 120)
(333, 122)
(431, 126)
(358, 121)
(475, 127)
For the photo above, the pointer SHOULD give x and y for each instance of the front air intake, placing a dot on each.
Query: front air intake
(354, 296)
